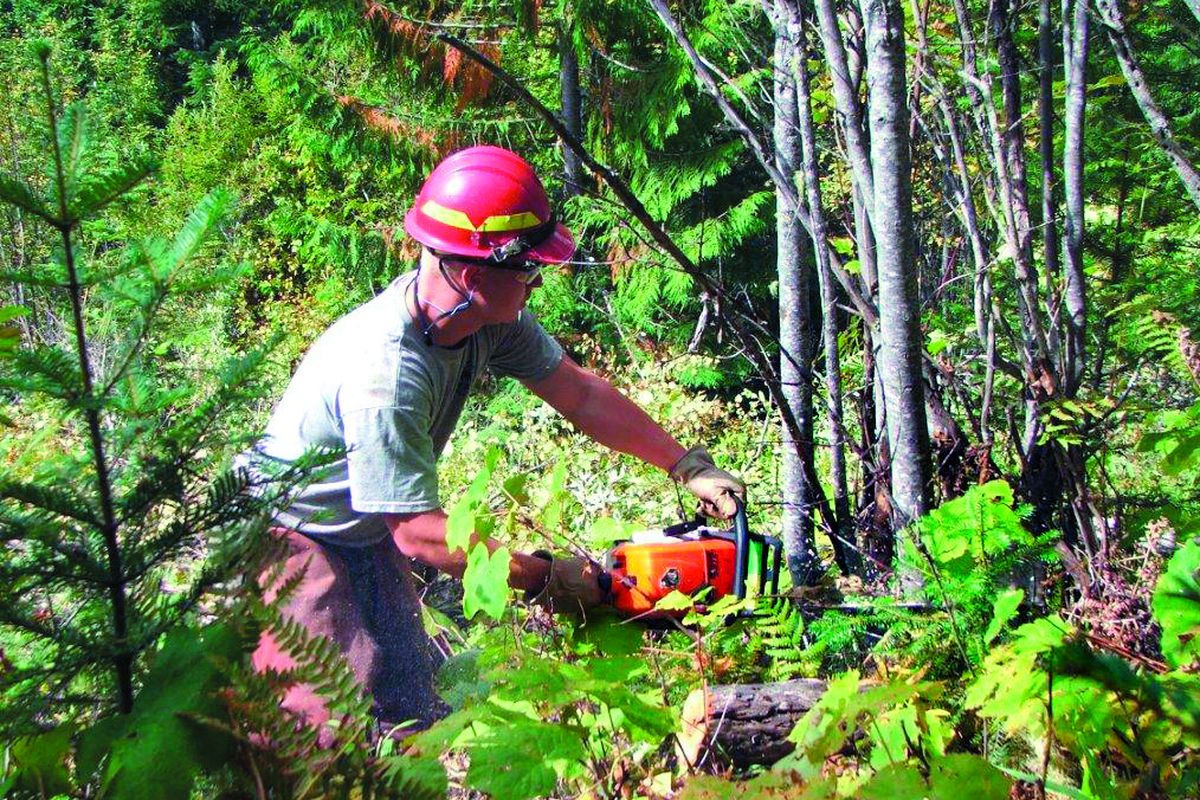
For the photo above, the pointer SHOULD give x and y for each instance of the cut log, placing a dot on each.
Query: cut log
(745, 724)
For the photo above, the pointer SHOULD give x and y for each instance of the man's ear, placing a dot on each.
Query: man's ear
(471, 275)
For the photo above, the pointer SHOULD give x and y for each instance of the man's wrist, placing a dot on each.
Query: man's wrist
(530, 573)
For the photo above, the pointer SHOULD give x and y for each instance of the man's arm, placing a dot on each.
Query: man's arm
(597, 408)
(422, 536)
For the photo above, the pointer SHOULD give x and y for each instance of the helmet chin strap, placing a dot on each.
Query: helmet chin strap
(428, 325)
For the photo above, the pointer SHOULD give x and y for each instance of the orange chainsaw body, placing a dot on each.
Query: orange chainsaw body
(643, 574)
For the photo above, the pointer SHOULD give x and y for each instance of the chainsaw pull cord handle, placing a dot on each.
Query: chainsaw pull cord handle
(741, 541)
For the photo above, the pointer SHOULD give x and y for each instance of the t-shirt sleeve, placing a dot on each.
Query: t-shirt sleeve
(390, 461)
(525, 351)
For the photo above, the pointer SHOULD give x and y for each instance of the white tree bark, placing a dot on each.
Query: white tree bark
(899, 304)
(1075, 52)
(796, 330)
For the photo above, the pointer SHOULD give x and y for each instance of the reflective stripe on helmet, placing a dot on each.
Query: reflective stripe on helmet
(500, 222)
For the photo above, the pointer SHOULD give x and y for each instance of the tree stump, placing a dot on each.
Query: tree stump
(745, 724)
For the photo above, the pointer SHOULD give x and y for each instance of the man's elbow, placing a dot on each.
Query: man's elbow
(422, 537)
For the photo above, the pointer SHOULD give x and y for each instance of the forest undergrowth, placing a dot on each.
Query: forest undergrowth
(192, 193)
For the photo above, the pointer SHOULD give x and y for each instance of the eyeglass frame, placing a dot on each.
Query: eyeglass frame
(526, 273)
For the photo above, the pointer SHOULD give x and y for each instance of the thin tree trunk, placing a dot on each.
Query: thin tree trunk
(829, 316)
(782, 183)
(572, 110)
(899, 304)
(796, 335)
(1049, 199)
(1075, 52)
(1034, 348)
(1160, 126)
(1071, 461)
(845, 94)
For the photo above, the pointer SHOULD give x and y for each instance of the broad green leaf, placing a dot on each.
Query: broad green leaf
(460, 526)
(157, 750)
(938, 341)
(842, 244)
(674, 601)
(1011, 686)
(485, 582)
(618, 669)
(524, 758)
(825, 728)
(607, 635)
(462, 520)
(604, 532)
(552, 511)
(893, 782)
(891, 733)
(1176, 605)
(1003, 610)
(953, 775)
(40, 762)
(514, 488)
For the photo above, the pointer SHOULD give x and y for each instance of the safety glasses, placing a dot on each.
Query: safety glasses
(521, 271)
(526, 273)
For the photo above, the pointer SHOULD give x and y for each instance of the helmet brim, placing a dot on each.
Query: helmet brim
(556, 249)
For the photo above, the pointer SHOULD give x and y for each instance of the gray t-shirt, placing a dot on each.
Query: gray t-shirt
(372, 385)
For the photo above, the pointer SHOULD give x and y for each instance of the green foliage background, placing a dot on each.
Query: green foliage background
(322, 118)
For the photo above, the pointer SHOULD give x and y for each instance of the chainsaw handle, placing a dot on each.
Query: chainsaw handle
(741, 541)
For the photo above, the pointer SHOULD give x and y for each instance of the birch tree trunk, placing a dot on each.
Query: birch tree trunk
(796, 330)
(1075, 51)
(829, 317)
(1160, 126)
(1050, 243)
(845, 93)
(899, 304)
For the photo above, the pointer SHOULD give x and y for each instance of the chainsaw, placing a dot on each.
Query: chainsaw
(690, 557)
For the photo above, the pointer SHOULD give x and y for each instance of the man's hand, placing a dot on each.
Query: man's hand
(573, 586)
(715, 487)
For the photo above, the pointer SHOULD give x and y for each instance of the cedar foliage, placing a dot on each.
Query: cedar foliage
(326, 115)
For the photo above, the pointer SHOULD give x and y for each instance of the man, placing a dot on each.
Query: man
(387, 383)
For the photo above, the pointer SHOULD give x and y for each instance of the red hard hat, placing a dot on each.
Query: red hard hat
(486, 202)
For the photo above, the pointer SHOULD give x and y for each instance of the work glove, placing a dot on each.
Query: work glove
(715, 487)
(573, 586)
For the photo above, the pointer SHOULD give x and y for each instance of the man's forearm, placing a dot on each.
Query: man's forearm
(616, 422)
(423, 537)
